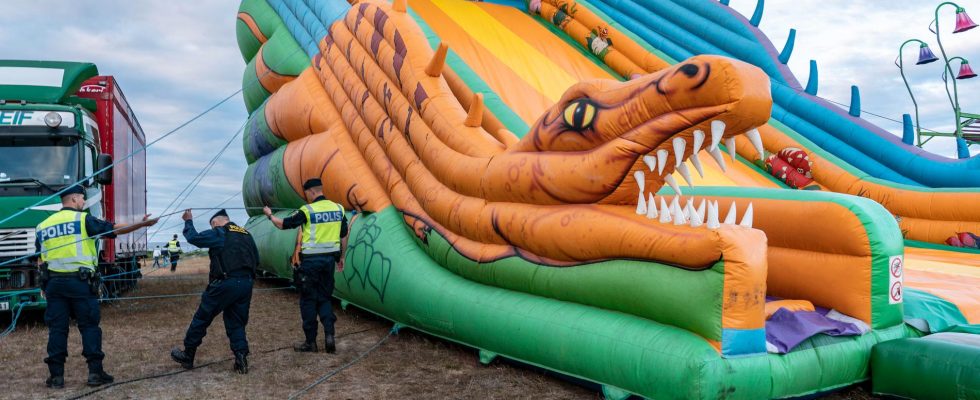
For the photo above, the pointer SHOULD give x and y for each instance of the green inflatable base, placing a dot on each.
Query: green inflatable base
(940, 366)
(388, 274)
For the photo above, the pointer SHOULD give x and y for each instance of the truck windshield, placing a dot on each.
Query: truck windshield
(53, 162)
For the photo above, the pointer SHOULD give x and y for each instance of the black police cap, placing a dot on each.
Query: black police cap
(220, 213)
(312, 183)
(77, 189)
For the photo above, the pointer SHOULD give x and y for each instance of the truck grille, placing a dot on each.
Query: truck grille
(16, 242)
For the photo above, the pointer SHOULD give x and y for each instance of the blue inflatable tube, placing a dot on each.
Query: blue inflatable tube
(683, 28)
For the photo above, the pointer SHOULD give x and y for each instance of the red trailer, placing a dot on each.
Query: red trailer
(124, 200)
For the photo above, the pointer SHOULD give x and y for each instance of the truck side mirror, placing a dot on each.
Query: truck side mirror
(104, 177)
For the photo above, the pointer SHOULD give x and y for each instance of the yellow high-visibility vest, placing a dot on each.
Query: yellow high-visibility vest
(172, 247)
(321, 233)
(65, 244)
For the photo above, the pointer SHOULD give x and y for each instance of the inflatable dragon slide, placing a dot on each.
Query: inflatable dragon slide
(542, 181)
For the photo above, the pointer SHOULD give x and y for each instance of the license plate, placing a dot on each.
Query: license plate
(4, 305)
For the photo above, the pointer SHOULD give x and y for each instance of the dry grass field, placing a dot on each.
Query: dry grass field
(138, 336)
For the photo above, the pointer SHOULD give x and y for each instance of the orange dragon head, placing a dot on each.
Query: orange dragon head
(661, 119)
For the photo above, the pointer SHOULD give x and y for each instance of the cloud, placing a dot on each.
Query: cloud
(172, 60)
(856, 43)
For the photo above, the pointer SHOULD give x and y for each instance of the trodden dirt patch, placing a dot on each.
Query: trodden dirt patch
(138, 336)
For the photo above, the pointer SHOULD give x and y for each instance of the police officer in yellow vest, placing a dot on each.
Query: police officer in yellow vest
(324, 229)
(66, 244)
(173, 251)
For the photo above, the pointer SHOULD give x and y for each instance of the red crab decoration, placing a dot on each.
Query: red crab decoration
(792, 166)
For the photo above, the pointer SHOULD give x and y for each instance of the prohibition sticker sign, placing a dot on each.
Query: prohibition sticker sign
(896, 291)
(895, 275)
(896, 267)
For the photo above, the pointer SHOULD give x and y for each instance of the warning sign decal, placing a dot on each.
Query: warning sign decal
(896, 266)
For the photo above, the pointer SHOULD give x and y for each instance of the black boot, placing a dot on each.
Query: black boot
(55, 382)
(305, 347)
(99, 378)
(183, 357)
(329, 345)
(241, 363)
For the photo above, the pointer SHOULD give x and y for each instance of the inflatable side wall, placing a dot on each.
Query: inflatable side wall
(496, 239)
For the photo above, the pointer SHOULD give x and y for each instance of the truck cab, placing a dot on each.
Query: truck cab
(59, 123)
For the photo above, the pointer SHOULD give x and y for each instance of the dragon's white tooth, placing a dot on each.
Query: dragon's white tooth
(679, 218)
(664, 211)
(730, 218)
(730, 144)
(696, 162)
(689, 205)
(673, 184)
(698, 141)
(717, 132)
(719, 159)
(686, 174)
(640, 180)
(747, 218)
(661, 161)
(651, 207)
(756, 139)
(650, 161)
(679, 146)
(713, 216)
(675, 202)
(686, 211)
(696, 219)
(641, 205)
(700, 208)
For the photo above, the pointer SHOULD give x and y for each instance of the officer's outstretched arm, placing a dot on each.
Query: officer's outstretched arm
(122, 229)
(275, 220)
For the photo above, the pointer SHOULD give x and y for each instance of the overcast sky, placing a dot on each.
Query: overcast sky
(176, 58)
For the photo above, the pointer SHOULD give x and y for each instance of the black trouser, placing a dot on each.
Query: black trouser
(68, 296)
(230, 297)
(316, 288)
(173, 262)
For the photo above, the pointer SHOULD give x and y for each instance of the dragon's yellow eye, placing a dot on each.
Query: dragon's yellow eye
(579, 114)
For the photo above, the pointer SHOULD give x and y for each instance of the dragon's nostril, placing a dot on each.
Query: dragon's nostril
(689, 69)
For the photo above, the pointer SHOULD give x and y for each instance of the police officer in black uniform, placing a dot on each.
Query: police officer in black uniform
(234, 258)
(70, 283)
(324, 227)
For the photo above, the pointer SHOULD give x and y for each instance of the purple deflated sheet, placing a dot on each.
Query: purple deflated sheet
(786, 329)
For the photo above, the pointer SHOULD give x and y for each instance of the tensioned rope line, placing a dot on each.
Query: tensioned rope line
(171, 296)
(20, 307)
(331, 374)
(153, 142)
(197, 179)
(16, 313)
(35, 254)
(93, 237)
(801, 91)
(205, 365)
(200, 217)
(217, 207)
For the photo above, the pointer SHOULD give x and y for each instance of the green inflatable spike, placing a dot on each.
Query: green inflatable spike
(614, 393)
(487, 357)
